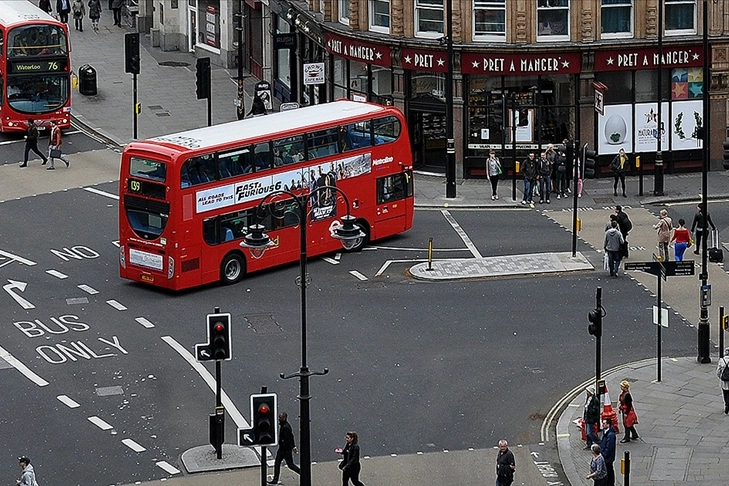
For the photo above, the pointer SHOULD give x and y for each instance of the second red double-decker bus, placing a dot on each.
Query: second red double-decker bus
(35, 68)
(187, 200)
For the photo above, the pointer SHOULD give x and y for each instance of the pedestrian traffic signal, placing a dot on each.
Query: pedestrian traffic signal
(725, 322)
(523, 117)
(263, 416)
(595, 326)
(219, 336)
(202, 82)
(726, 154)
(590, 159)
(131, 53)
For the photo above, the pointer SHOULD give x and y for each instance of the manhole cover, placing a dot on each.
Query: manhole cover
(263, 323)
(174, 63)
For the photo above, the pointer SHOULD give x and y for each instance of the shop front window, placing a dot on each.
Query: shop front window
(680, 17)
(380, 15)
(340, 78)
(489, 20)
(553, 20)
(617, 18)
(209, 26)
(359, 84)
(429, 15)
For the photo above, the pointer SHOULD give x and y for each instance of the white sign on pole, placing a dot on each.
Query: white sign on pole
(664, 316)
(313, 73)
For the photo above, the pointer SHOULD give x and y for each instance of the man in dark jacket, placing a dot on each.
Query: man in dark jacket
(625, 225)
(31, 143)
(63, 7)
(607, 449)
(286, 446)
(591, 415)
(505, 465)
(697, 227)
(529, 169)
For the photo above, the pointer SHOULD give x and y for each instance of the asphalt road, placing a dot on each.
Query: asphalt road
(13, 145)
(414, 366)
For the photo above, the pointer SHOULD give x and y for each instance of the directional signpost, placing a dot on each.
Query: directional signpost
(661, 270)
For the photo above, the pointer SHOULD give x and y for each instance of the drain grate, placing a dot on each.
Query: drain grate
(155, 107)
(174, 63)
(109, 390)
(164, 113)
(263, 323)
(603, 200)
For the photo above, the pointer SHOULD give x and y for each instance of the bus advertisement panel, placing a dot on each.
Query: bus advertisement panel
(35, 68)
(187, 200)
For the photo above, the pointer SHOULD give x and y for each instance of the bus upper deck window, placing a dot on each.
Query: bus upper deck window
(386, 130)
(231, 164)
(148, 169)
(198, 170)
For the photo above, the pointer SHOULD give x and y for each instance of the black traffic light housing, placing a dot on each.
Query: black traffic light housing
(202, 82)
(264, 415)
(131, 53)
(595, 326)
(523, 117)
(726, 154)
(219, 336)
(590, 159)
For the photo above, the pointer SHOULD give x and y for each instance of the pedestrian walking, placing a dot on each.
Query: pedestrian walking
(350, 460)
(624, 225)
(63, 7)
(116, 6)
(54, 146)
(27, 477)
(95, 13)
(664, 227)
(31, 143)
(613, 246)
(79, 11)
(630, 418)
(551, 155)
(258, 107)
(619, 165)
(45, 5)
(591, 416)
(561, 173)
(286, 446)
(598, 470)
(607, 449)
(544, 168)
(697, 227)
(505, 465)
(529, 169)
(724, 377)
(493, 170)
(681, 237)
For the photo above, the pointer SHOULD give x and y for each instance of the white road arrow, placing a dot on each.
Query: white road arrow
(14, 284)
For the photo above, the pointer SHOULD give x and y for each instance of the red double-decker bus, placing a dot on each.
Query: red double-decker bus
(35, 68)
(188, 199)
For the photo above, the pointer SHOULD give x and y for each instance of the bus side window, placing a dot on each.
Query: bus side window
(262, 157)
(198, 170)
(232, 164)
(288, 150)
(386, 130)
(323, 143)
(358, 135)
(394, 187)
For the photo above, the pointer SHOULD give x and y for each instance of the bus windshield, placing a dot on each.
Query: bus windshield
(37, 94)
(37, 40)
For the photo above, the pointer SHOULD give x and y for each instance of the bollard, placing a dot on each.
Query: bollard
(430, 255)
(625, 468)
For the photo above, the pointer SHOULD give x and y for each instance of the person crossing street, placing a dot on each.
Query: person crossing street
(286, 446)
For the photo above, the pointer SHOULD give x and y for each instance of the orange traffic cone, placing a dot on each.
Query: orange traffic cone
(608, 412)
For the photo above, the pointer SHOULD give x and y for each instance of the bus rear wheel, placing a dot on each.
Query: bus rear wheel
(233, 269)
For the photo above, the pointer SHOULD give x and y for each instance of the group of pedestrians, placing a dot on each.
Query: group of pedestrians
(616, 239)
(54, 145)
(77, 8)
(681, 236)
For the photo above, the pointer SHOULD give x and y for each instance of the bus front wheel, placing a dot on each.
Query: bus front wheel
(233, 269)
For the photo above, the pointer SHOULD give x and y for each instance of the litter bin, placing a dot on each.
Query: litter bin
(87, 80)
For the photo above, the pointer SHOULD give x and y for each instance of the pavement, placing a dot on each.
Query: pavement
(682, 425)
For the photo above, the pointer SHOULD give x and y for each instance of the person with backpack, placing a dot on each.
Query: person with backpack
(31, 143)
(625, 225)
(79, 11)
(722, 372)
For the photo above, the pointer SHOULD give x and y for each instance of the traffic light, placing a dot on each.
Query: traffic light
(131, 53)
(202, 82)
(725, 322)
(590, 158)
(595, 326)
(523, 117)
(264, 417)
(497, 113)
(726, 154)
(219, 336)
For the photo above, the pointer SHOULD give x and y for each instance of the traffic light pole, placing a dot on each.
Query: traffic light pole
(240, 105)
(134, 104)
(658, 166)
(659, 332)
(450, 141)
(598, 338)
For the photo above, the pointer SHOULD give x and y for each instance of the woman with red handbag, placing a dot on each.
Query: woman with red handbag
(629, 416)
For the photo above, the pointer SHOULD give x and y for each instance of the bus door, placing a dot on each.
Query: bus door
(392, 191)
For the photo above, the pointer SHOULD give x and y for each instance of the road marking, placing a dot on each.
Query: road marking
(330, 260)
(15, 363)
(101, 193)
(358, 275)
(388, 262)
(167, 467)
(69, 402)
(100, 423)
(133, 445)
(238, 419)
(412, 249)
(57, 274)
(14, 284)
(144, 322)
(116, 305)
(15, 258)
(87, 289)
(469, 244)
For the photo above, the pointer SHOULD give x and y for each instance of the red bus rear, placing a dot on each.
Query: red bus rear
(188, 199)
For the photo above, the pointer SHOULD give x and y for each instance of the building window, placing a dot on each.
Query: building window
(553, 20)
(489, 20)
(344, 11)
(380, 16)
(429, 18)
(680, 16)
(617, 18)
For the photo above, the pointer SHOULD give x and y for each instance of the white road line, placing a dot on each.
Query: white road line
(101, 193)
(167, 467)
(15, 363)
(57, 274)
(144, 322)
(16, 258)
(330, 260)
(238, 419)
(388, 262)
(116, 305)
(357, 274)
(133, 445)
(395, 248)
(337, 256)
(87, 289)
(469, 244)
(69, 402)
(100, 423)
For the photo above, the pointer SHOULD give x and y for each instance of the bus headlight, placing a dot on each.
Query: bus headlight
(122, 257)
(170, 267)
